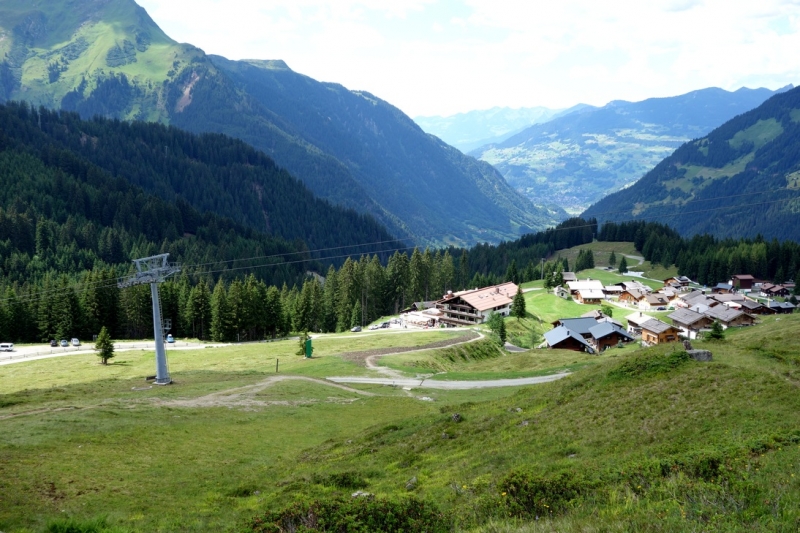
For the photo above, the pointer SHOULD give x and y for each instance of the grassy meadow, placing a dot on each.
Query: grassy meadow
(632, 440)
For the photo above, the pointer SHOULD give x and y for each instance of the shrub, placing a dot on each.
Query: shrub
(342, 480)
(357, 515)
(526, 494)
(650, 364)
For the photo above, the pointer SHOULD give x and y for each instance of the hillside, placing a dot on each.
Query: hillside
(110, 58)
(473, 129)
(738, 181)
(635, 440)
(576, 160)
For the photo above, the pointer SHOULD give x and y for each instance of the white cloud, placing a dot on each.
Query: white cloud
(447, 56)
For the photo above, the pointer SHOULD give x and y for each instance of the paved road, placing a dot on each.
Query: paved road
(32, 353)
(450, 385)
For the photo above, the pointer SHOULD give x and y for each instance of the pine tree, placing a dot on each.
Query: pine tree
(623, 265)
(512, 274)
(219, 314)
(518, 305)
(716, 333)
(612, 259)
(501, 332)
(104, 346)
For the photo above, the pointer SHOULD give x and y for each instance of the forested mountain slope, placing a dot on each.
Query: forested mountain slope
(742, 179)
(578, 159)
(110, 58)
(79, 195)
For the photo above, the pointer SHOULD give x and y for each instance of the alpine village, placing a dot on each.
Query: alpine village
(234, 298)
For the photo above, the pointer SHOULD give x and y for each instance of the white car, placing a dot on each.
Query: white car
(7, 347)
(76, 342)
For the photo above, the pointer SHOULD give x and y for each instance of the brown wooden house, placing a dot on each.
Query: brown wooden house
(743, 281)
(657, 332)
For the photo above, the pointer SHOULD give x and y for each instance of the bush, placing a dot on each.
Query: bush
(342, 480)
(357, 515)
(650, 364)
(525, 494)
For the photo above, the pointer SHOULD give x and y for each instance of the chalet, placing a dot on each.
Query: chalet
(569, 276)
(770, 290)
(743, 282)
(782, 308)
(599, 316)
(694, 298)
(653, 301)
(634, 285)
(631, 297)
(586, 285)
(679, 282)
(419, 306)
(580, 326)
(587, 296)
(562, 292)
(565, 339)
(728, 299)
(606, 334)
(689, 321)
(467, 308)
(730, 317)
(722, 288)
(657, 332)
(636, 321)
(756, 308)
(613, 291)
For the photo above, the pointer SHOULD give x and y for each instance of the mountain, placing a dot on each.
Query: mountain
(108, 57)
(742, 179)
(575, 160)
(471, 130)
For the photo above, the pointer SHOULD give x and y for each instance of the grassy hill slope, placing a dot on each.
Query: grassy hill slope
(645, 441)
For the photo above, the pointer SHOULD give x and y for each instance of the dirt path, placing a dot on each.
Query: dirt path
(240, 397)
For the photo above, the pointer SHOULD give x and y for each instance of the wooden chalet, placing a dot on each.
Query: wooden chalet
(679, 282)
(722, 288)
(756, 308)
(631, 297)
(743, 282)
(568, 276)
(782, 308)
(580, 326)
(590, 296)
(657, 332)
(564, 338)
(636, 321)
(654, 301)
(689, 321)
(467, 308)
(730, 317)
(770, 290)
(607, 334)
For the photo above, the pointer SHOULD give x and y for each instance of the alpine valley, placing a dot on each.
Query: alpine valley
(740, 180)
(109, 58)
(576, 159)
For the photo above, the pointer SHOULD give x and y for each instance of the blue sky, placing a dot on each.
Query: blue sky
(432, 57)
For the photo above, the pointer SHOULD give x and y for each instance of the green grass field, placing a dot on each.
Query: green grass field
(633, 440)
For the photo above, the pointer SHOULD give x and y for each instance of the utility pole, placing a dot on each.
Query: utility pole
(154, 270)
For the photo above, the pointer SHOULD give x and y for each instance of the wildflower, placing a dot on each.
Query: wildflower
(504, 494)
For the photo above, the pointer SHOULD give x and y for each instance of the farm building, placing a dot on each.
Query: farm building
(467, 308)
(657, 332)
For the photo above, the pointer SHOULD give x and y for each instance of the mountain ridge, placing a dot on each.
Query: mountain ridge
(579, 158)
(118, 65)
(739, 180)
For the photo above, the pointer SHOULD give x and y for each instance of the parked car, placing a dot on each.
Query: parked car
(53, 343)
(374, 326)
(662, 308)
(384, 325)
(76, 342)
(63, 343)
(356, 329)
(6, 347)
(170, 338)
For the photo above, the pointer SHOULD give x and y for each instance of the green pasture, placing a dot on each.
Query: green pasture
(649, 441)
